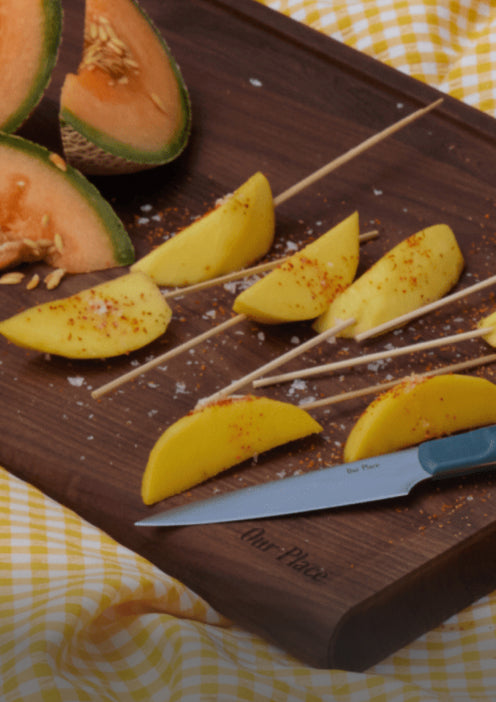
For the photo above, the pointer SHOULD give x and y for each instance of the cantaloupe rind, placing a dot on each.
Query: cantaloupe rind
(216, 437)
(419, 409)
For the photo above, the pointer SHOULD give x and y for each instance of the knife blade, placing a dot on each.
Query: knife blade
(369, 480)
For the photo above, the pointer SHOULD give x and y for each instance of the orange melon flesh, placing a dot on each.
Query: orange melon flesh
(29, 38)
(134, 115)
(42, 199)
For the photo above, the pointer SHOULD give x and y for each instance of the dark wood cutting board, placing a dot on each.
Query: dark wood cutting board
(343, 588)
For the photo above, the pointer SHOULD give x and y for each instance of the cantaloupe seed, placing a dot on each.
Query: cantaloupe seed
(105, 50)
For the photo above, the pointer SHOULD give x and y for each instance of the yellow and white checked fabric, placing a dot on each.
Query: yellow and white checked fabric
(450, 44)
(83, 619)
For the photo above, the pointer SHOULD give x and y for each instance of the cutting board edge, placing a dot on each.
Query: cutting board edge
(450, 583)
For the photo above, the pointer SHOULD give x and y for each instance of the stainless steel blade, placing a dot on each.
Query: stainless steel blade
(373, 479)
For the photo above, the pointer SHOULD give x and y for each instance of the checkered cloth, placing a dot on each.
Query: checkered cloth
(450, 44)
(84, 619)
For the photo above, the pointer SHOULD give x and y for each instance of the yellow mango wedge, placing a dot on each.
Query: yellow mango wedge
(216, 437)
(109, 319)
(419, 409)
(304, 286)
(418, 270)
(490, 322)
(231, 236)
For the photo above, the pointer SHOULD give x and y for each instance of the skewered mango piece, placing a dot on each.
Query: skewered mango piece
(303, 286)
(229, 237)
(217, 436)
(489, 321)
(110, 319)
(418, 270)
(419, 409)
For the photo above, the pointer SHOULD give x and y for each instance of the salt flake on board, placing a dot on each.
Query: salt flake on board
(76, 381)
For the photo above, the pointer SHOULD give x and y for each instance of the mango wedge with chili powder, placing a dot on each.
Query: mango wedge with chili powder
(419, 409)
(217, 436)
(417, 271)
(232, 235)
(113, 318)
(303, 286)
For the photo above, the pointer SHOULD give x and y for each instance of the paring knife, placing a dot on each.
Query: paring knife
(379, 478)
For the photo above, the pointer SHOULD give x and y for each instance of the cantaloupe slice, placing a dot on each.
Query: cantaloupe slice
(216, 437)
(419, 409)
(49, 211)
(30, 32)
(227, 238)
(304, 286)
(418, 270)
(109, 319)
(128, 107)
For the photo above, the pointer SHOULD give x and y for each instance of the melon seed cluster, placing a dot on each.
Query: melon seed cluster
(105, 50)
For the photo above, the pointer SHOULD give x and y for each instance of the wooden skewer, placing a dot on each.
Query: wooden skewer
(284, 358)
(313, 178)
(140, 370)
(371, 389)
(370, 357)
(296, 188)
(399, 321)
(309, 180)
(168, 355)
(245, 272)
(235, 275)
(355, 151)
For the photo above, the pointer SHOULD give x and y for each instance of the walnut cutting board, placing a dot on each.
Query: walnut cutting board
(342, 588)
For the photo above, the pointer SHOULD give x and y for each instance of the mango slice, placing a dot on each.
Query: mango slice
(419, 409)
(112, 318)
(231, 236)
(418, 270)
(304, 286)
(489, 321)
(216, 437)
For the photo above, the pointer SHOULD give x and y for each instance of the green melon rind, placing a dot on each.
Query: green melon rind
(52, 27)
(122, 247)
(97, 144)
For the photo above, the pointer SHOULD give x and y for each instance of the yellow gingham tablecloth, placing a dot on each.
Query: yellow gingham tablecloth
(450, 44)
(84, 619)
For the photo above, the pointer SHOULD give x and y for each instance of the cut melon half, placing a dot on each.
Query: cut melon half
(49, 211)
(128, 107)
(30, 32)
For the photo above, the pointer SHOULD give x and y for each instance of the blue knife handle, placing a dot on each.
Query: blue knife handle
(459, 453)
